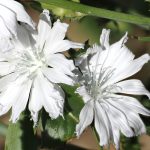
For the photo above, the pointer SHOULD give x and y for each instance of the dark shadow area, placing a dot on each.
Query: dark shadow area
(55, 144)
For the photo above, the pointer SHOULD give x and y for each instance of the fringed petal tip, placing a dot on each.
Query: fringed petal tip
(13, 119)
(124, 38)
(46, 12)
(104, 38)
(34, 117)
(77, 134)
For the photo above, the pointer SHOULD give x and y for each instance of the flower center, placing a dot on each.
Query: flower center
(30, 61)
(97, 80)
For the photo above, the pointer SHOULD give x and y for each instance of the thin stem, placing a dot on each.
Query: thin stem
(99, 12)
(73, 117)
(96, 137)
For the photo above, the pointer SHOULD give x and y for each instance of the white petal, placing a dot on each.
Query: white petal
(18, 10)
(9, 18)
(4, 31)
(104, 38)
(36, 97)
(6, 43)
(57, 76)
(21, 100)
(109, 56)
(132, 68)
(133, 86)
(51, 98)
(114, 127)
(60, 62)
(133, 118)
(61, 46)
(101, 124)
(85, 118)
(6, 68)
(23, 40)
(59, 96)
(44, 27)
(4, 81)
(120, 43)
(132, 103)
(9, 96)
(136, 123)
(120, 119)
(83, 92)
(57, 33)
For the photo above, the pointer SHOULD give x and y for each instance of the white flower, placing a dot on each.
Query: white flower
(10, 13)
(103, 69)
(33, 69)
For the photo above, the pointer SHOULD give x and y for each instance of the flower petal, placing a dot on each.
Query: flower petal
(109, 56)
(36, 97)
(4, 81)
(6, 44)
(85, 118)
(21, 100)
(60, 62)
(132, 68)
(132, 86)
(57, 76)
(12, 95)
(132, 116)
(120, 119)
(19, 11)
(102, 124)
(57, 33)
(132, 103)
(114, 127)
(83, 92)
(6, 68)
(23, 40)
(44, 27)
(51, 96)
(55, 42)
(104, 39)
(9, 19)
(4, 32)
(61, 46)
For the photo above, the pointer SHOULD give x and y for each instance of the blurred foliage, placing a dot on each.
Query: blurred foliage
(20, 136)
(57, 11)
(3, 129)
(94, 10)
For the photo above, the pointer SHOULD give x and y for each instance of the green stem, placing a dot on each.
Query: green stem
(96, 137)
(99, 12)
(144, 39)
(73, 117)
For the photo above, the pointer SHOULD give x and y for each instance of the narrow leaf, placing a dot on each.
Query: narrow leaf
(99, 12)
(13, 138)
(20, 135)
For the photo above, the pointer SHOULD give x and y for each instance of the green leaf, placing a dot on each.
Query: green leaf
(20, 135)
(57, 11)
(13, 138)
(93, 11)
(144, 39)
(147, 0)
(3, 129)
(64, 128)
(129, 143)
